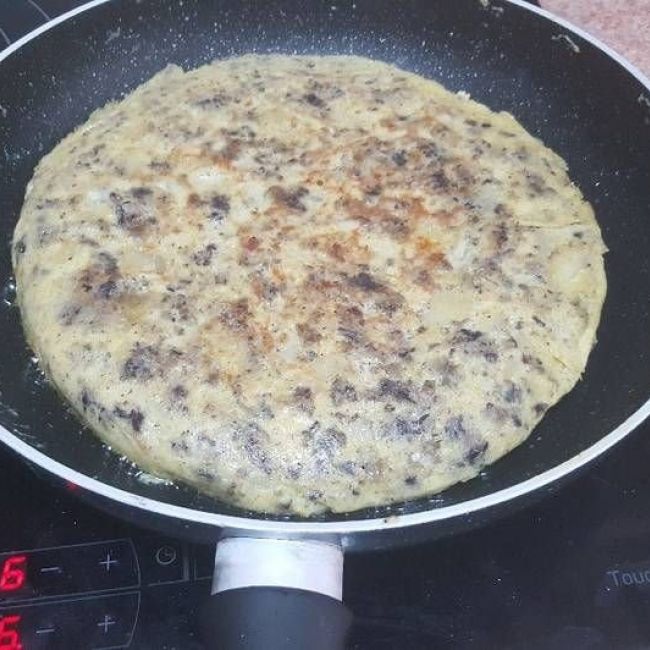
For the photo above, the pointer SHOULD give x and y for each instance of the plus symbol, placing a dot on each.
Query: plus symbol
(108, 561)
(106, 623)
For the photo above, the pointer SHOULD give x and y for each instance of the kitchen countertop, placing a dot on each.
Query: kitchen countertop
(623, 24)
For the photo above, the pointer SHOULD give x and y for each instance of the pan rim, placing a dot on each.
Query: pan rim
(339, 529)
(312, 529)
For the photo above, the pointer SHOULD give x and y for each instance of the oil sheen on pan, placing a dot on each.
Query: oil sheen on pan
(307, 283)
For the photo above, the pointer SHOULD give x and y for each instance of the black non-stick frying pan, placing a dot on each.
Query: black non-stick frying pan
(580, 98)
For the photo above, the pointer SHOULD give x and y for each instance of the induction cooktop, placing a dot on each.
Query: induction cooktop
(572, 572)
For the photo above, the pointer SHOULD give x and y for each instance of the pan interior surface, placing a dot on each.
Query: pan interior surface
(554, 89)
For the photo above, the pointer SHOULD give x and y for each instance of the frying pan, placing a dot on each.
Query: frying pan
(278, 578)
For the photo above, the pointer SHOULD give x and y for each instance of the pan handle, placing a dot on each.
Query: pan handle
(271, 594)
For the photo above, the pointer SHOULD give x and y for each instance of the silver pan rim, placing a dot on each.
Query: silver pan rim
(337, 529)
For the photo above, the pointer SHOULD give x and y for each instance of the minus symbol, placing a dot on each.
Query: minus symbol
(51, 569)
(46, 630)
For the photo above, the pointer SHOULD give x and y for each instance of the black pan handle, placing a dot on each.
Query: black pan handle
(276, 594)
(272, 618)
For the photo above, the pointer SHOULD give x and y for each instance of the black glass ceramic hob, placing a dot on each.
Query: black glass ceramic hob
(570, 573)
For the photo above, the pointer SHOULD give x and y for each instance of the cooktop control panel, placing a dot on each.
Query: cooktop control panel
(88, 596)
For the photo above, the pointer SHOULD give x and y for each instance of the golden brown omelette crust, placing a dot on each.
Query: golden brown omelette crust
(302, 283)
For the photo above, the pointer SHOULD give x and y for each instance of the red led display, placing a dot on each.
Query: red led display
(13, 574)
(9, 632)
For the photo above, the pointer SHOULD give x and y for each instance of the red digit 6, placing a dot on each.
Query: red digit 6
(9, 636)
